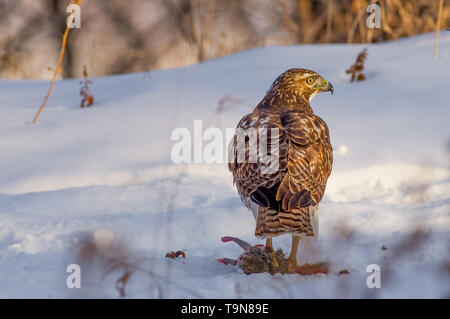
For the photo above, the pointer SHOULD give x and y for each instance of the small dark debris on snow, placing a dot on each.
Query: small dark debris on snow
(176, 254)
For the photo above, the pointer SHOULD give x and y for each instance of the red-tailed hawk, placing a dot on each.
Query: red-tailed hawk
(281, 158)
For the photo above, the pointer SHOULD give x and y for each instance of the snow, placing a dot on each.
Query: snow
(106, 172)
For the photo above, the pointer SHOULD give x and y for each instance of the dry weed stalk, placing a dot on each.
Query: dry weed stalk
(356, 69)
(85, 92)
(61, 56)
(357, 21)
(226, 102)
(205, 36)
(112, 255)
(438, 27)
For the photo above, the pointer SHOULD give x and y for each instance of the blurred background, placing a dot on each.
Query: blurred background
(119, 36)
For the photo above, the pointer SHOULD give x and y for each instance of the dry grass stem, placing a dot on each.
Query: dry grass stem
(58, 67)
(438, 27)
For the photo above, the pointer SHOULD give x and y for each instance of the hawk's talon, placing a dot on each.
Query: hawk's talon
(275, 261)
(292, 266)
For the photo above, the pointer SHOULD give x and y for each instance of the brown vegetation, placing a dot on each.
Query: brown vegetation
(58, 67)
(114, 258)
(138, 35)
(356, 69)
(85, 92)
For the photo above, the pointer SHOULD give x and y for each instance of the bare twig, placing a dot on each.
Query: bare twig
(61, 56)
(438, 26)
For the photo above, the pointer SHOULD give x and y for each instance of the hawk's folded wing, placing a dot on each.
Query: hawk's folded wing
(299, 167)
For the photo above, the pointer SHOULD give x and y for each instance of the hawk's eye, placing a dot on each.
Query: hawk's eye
(310, 80)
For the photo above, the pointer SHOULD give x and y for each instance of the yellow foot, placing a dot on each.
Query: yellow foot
(292, 266)
(275, 261)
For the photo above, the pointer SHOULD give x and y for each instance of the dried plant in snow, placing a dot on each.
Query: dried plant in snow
(85, 92)
(59, 66)
(438, 27)
(356, 69)
(101, 249)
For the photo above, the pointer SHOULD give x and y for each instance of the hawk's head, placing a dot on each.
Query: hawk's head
(295, 83)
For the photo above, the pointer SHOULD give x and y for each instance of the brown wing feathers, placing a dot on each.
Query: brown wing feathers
(280, 193)
(304, 156)
(304, 160)
(310, 156)
(249, 176)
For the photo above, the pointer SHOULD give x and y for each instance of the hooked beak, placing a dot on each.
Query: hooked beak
(326, 87)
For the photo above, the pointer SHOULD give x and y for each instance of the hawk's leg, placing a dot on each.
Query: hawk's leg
(269, 248)
(292, 260)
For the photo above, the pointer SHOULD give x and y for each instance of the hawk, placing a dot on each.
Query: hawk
(283, 188)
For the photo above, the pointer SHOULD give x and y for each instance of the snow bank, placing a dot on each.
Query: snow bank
(108, 168)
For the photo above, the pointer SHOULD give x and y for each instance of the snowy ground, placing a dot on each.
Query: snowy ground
(108, 169)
